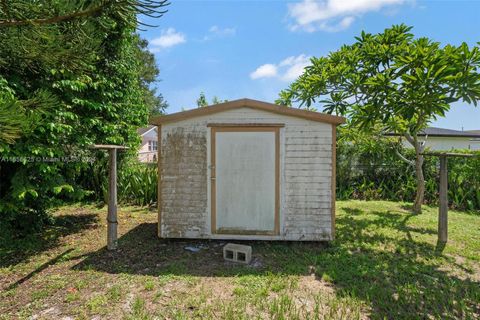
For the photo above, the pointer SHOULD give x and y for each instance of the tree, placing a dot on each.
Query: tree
(394, 80)
(203, 102)
(23, 13)
(67, 85)
(148, 77)
(64, 36)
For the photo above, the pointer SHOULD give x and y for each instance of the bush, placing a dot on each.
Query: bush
(136, 182)
(372, 171)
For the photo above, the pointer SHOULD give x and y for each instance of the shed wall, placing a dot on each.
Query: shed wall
(305, 176)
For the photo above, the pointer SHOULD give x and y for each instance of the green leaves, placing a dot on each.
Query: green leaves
(68, 188)
(65, 87)
(390, 78)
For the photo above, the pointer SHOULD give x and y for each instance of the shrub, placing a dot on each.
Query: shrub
(136, 182)
(371, 172)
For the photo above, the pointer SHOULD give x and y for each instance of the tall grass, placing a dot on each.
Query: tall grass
(136, 182)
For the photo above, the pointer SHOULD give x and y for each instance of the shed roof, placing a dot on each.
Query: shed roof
(247, 103)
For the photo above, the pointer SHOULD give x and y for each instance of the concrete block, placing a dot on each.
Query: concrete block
(237, 253)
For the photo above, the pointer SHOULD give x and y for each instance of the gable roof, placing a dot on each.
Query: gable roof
(247, 103)
(441, 132)
(142, 131)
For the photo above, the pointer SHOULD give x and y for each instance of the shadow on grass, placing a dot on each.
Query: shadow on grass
(398, 276)
(375, 259)
(141, 252)
(15, 250)
(39, 269)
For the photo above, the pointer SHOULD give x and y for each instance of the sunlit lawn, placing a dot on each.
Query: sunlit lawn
(385, 263)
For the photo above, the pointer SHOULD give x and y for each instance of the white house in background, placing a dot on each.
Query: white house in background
(148, 149)
(440, 139)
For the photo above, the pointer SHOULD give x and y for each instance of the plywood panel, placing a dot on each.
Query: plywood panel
(245, 181)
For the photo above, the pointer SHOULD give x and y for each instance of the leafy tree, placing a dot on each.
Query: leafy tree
(394, 80)
(69, 85)
(203, 102)
(64, 35)
(148, 77)
(25, 12)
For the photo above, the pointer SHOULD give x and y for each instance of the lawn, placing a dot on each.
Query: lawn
(385, 263)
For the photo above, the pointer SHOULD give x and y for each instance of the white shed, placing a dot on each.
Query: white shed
(247, 169)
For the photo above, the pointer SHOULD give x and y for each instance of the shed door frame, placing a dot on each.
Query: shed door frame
(256, 127)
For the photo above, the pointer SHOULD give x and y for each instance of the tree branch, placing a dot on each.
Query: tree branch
(423, 144)
(145, 7)
(410, 139)
(401, 156)
(70, 16)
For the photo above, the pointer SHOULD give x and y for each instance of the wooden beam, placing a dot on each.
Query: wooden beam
(443, 208)
(247, 103)
(213, 182)
(279, 125)
(108, 146)
(334, 178)
(159, 183)
(448, 154)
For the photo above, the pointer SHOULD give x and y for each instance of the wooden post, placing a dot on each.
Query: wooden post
(112, 221)
(443, 192)
(443, 208)
(112, 201)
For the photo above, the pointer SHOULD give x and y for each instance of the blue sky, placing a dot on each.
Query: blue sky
(253, 49)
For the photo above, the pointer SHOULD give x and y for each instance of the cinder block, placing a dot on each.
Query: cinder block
(237, 253)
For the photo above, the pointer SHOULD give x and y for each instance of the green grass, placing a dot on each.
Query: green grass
(389, 259)
(384, 264)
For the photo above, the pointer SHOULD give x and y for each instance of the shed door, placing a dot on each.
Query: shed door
(245, 180)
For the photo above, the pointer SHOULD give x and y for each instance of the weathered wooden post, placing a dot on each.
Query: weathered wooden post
(112, 221)
(443, 192)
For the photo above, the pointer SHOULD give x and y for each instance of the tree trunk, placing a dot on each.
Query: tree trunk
(420, 194)
(417, 206)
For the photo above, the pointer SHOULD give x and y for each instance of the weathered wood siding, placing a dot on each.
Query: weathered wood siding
(305, 176)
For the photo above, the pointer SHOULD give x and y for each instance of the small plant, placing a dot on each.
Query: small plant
(114, 293)
(149, 285)
(96, 304)
(139, 312)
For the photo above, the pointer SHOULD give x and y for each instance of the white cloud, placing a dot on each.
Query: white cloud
(218, 32)
(168, 38)
(264, 71)
(222, 32)
(288, 69)
(333, 15)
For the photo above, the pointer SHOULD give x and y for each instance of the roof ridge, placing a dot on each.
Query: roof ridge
(248, 103)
